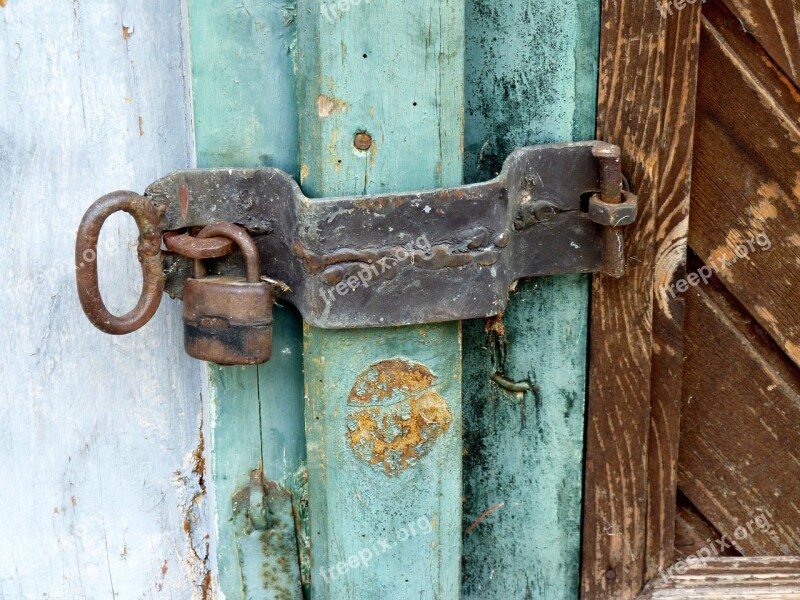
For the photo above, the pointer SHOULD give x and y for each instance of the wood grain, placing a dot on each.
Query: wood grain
(739, 454)
(672, 225)
(693, 532)
(768, 578)
(524, 451)
(377, 463)
(746, 180)
(246, 116)
(100, 436)
(776, 26)
(632, 63)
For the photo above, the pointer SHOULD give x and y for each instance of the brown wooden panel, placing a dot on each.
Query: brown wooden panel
(693, 532)
(672, 223)
(632, 61)
(768, 578)
(740, 440)
(776, 26)
(746, 179)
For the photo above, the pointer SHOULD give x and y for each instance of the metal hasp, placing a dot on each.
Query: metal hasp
(393, 259)
(410, 258)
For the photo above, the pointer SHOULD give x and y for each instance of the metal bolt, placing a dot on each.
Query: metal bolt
(362, 141)
(611, 574)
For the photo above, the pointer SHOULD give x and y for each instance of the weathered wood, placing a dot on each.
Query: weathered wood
(672, 225)
(101, 437)
(693, 532)
(776, 26)
(632, 63)
(740, 447)
(745, 181)
(768, 578)
(524, 449)
(383, 413)
(246, 116)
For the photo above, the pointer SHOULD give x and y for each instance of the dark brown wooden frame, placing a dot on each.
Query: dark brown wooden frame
(648, 76)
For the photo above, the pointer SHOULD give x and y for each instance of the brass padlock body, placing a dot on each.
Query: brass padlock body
(227, 320)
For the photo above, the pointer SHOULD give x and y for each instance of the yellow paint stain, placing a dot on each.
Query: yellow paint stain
(328, 106)
(766, 315)
(793, 350)
(127, 100)
(399, 416)
(304, 171)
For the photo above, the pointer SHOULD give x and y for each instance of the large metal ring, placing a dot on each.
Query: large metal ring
(147, 215)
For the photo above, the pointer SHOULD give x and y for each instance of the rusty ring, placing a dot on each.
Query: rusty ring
(195, 247)
(147, 216)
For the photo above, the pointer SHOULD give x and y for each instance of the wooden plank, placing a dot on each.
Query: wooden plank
(100, 435)
(383, 413)
(693, 532)
(672, 225)
(767, 578)
(246, 116)
(739, 455)
(632, 64)
(776, 26)
(746, 177)
(524, 450)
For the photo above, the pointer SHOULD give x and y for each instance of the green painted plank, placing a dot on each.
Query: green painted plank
(524, 451)
(246, 116)
(383, 412)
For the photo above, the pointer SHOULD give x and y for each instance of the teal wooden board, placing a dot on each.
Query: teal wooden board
(524, 451)
(246, 116)
(383, 413)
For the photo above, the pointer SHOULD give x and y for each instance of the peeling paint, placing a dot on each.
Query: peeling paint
(328, 106)
(405, 417)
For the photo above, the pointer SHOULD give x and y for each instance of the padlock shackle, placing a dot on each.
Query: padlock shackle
(242, 239)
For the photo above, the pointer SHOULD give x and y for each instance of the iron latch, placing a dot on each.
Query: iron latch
(371, 261)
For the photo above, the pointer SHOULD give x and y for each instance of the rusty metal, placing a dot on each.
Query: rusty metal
(391, 259)
(228, 319)
(147, 213)
(610, 158)
(412, 257)
(362, 141)
(192, 246)
(613, 214)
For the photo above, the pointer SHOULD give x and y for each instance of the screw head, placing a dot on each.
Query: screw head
(362, 141)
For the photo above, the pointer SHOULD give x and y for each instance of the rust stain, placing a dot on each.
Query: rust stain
(403, 418)
(74, 501)
(2, 3)
(141, 126)
(126, 31)
(164, 568)
(388, 378)
(183, 194)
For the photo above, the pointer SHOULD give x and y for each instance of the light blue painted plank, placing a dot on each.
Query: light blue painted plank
(524, 451)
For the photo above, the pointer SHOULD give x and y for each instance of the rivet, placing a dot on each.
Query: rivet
(362, 141)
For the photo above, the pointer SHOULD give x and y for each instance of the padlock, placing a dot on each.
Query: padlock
(228, 320)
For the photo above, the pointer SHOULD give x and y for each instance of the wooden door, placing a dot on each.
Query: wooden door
(693, 467)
